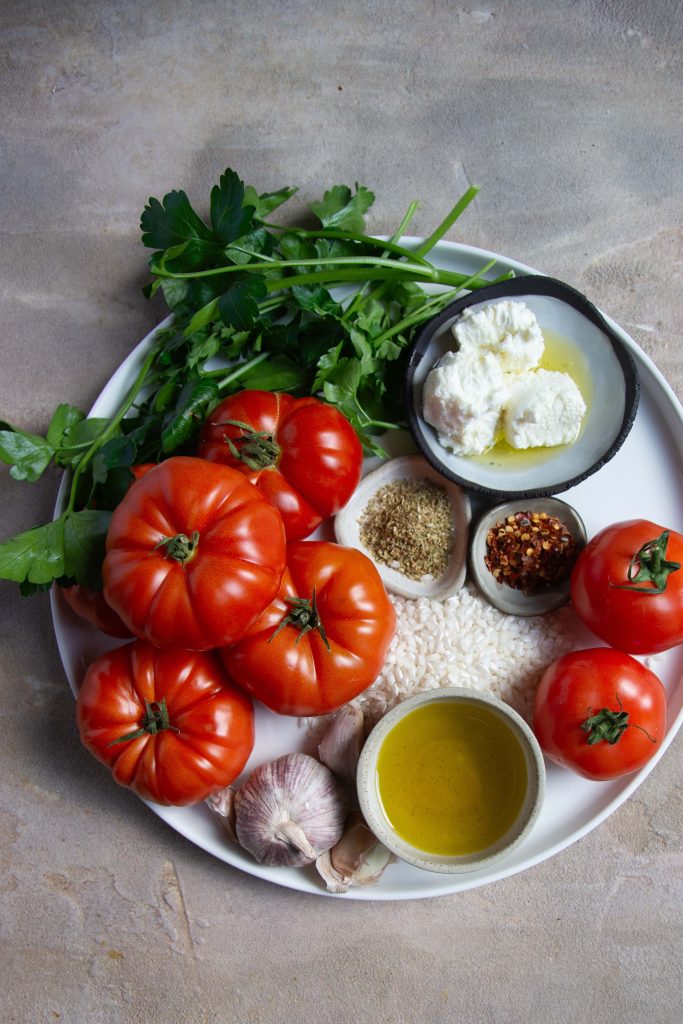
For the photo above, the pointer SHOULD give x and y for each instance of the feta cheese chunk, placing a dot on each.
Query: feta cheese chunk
(463, 399)
(509, 329)
(544, 407)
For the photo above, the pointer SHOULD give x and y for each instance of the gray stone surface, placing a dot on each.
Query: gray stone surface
(568, 114)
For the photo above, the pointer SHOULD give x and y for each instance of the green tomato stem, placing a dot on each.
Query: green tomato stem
(156, 719)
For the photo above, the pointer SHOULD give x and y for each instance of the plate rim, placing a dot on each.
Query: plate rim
(301, 882)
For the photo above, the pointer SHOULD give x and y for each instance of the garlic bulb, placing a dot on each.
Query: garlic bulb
(357, 859)
(341, 745)
(222, 804)
(289, 811)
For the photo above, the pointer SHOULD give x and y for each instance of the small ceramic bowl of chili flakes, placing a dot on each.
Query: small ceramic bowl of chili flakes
(522, 554)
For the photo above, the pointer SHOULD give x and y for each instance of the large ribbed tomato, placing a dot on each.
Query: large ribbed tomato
(302, 454)
(169, 724)
(324, 638)
(194, 554)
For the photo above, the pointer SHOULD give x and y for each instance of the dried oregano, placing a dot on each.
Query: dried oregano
(407, 525)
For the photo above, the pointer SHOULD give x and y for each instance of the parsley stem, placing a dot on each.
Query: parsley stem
(241, 370)
(113, 424)
(400, 272)
(423, 270)
(361, 295)
(449, 220)
(376, 243)
(429, 307)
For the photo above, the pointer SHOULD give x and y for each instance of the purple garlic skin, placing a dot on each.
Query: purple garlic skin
(289, 811)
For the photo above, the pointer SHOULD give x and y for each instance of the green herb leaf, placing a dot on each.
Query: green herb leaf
(202, 318)
(173, 223)
(276, 374)
(229, 218)
(259, 241)
(64, 417)
(117, 453)
(78, 438)
(342, 382)
(266, 202)
(36, 556)
(238, 307)
(197, 397)
(85, 535)
(29, 455)
(315, 299)
(344, 210)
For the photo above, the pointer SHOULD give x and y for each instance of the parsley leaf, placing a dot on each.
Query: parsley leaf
(28, 454)
(173, 223)
(239, 307)
(340, 208)
(229, 218)
(266, 202)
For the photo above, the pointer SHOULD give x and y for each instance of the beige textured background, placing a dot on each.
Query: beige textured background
(568, 114)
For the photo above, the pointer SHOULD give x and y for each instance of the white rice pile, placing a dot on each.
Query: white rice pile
(465, 641)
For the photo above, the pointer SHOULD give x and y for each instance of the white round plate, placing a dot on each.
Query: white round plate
(644, 480)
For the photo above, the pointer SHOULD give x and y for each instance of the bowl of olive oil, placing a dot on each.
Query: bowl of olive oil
(451, 780)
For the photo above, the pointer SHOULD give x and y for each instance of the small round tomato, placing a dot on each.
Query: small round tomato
(302, 454)
(194, 554)
(627, 586)
(91, 606)
(600, 713)
(169, 724)
(324, 638)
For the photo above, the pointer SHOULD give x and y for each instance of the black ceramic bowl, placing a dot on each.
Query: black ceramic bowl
(609, 375)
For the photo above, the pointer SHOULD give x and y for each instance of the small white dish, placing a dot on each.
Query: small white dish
(503, 597)
(610, 378)
(409, 467)
(367, 782)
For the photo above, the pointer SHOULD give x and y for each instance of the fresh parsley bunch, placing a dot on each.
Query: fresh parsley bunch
(328, 311)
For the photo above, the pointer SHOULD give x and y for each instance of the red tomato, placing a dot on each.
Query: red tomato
(142, 469)
(302, 454)
(91, 606)
(600, 713)
(323, 639)
(194, 554)
(169, 724)
(627, 586)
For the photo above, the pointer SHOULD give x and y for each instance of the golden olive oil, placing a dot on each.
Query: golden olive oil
(452, 777)
(563, 356)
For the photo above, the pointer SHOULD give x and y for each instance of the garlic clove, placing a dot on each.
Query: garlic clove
(289, 811)
(222, 804)
(357, 859)
(341, 744)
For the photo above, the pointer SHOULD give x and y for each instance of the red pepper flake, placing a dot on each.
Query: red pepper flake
(530, 551)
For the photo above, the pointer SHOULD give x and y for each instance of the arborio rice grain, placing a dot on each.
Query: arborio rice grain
(465, 641)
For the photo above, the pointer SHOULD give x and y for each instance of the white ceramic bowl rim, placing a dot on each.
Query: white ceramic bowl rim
(530, 285)
(369, 799)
